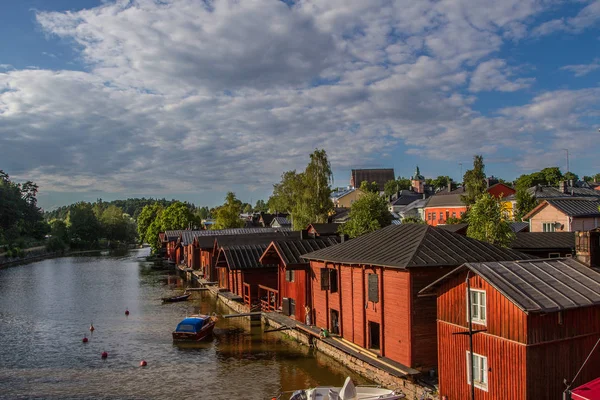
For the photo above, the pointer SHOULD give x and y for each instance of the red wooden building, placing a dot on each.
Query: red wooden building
(365, 289)
(240, 271)
(537, 320)
(293, 289)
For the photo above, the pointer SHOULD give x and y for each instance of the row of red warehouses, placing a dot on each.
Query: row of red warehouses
(401, 292)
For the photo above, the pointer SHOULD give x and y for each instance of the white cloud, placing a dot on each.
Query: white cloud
(183, 96)
(582, 69)
(585, 18)
(494, 75)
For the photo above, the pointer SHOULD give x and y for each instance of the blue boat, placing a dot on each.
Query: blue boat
(194, 328)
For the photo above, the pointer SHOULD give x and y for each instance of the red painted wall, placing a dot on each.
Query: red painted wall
(446, 212)
(501, 191)
(296, 290)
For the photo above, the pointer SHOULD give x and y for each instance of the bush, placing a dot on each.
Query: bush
(55, 244)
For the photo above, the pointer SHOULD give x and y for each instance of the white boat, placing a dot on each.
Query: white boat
(347, 392)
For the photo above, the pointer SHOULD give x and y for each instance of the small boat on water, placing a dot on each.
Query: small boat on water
(174, 299)
(194, 328)
(347, 392)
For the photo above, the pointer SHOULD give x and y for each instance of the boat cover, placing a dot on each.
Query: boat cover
(589, 391)
(190, 325)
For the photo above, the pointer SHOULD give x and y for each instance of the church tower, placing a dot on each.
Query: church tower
(418, 181)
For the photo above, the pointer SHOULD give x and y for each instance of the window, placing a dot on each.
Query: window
(477, 307)
(453, 214)
(548, 227)
(289, 275)
(434, 215)
(480, 370)
(374, 288)
(329, 279)
(429, 216)
(461, 213)
(553, 255)
(324, 278)
(441, 215)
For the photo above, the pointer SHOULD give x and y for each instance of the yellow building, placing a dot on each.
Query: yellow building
(346, 198)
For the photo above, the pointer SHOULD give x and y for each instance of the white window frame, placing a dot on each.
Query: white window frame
(481, 367)
(476, 319)
(551, 225)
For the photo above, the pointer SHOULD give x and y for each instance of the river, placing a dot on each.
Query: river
(46, 309)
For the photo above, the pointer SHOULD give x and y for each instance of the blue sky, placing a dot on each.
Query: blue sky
(189, 99)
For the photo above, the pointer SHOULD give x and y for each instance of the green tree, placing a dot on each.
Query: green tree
(147, 216)
(552, 175)
(441, 182)
(525, 203)
(305, 195)
(474, 181)
(84, 228)
(203, 213)
(487, 222)
(367, 214)
(228, 215)
(153, 232)
(367, 187)
(178, 216)
(261, 206)
(116, 225)
(570, 176)
(58, 229)
(391, 187)
(247, 208)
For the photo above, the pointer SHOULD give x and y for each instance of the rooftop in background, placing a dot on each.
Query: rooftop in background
(541, 286)
(187, 236)
(573, 207)
(379, 176)
(290, 251)
(413, 245)
(543, 240)
(324, 229)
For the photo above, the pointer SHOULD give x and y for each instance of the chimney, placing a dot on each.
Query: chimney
(343, 238)
(304, 234)
(587, 247)
(562, 187)
(450, 186)
(424, 195)
(571, 183)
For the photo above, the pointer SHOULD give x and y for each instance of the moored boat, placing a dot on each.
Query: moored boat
(347, 392)
(194, 328)
(175, 299)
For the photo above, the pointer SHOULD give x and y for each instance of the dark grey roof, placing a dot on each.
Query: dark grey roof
(188, 236)
(547, 285)
(282, 221)
(172, 235)
(454, 227)
(208, 242)
(543, 240)
(380, 176)
(244, 256)
(341, 214)
(413, 245)
(519, 226)
(405, 198)
(326, 229)
(550, 192)
(577, 207)
(291, 251)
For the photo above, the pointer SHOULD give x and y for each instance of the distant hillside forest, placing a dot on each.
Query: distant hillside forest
(132, 207)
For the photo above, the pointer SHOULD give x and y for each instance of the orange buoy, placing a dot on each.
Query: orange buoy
(143, 363)
(104, 354)
(91, 327)
(126, 312)
(85, 339)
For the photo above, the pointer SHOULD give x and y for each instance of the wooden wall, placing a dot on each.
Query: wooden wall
(506, 361)
(503, 317)
(298, 290)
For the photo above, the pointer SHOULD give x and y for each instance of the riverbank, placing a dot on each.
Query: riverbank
(381, 370)
(32, 257)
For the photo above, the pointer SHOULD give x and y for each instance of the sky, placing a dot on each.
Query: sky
(189, 99)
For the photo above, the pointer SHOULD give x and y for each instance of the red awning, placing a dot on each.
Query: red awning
(589, 391)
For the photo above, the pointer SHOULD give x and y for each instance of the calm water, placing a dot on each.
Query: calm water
(46, 309)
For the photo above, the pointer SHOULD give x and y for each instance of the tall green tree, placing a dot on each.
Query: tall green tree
(147, 216)
(570, 176)
(84, 227)
(525, 203)
(474, 181)
(116, 225)
(178, 216)
(552, 175)
(305, 195)
(367, 214)
(228, 215)
(367, 187)
(488, 223)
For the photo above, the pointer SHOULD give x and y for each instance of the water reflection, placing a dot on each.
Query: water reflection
(46, 309)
